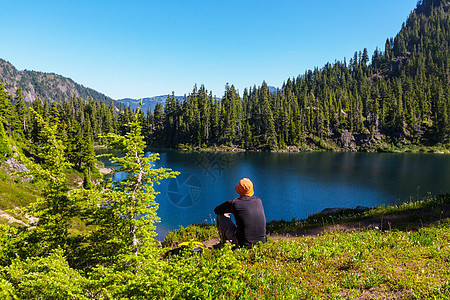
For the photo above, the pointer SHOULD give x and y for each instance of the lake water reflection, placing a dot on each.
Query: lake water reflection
(293, 185)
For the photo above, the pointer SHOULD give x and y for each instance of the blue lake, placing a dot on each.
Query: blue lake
(293, 185)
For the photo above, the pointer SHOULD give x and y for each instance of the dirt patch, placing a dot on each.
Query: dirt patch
(10, 219)
(412, 220)
(105, 171)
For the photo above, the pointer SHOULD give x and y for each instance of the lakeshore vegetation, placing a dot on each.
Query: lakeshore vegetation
(74, 235)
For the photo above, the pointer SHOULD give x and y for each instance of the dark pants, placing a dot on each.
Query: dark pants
(227, 229)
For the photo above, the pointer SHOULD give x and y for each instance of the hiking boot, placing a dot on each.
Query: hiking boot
(219, 245)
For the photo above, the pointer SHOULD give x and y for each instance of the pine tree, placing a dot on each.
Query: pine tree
(21, 111)
(88, 157)
(6, 110)
(123, 214)
(5, 150)
(55, 209)
(158, 124)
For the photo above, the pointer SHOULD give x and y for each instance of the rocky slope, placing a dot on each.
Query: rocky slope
(46, 86)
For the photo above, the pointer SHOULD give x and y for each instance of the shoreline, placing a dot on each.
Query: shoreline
(407, 215)
(295, 149)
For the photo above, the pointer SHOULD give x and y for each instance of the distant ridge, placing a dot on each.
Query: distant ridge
(46, 86)
(52, 87)
(149, 102)
(272, 89)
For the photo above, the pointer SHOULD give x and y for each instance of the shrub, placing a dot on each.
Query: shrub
(43, 278)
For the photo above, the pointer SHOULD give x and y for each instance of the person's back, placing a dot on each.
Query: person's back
(250, 220)
(249, 215)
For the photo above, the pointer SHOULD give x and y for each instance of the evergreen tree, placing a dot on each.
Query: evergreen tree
(21, 111)
(6, 110)
(55, 209)
(123, 214)
(5, 150)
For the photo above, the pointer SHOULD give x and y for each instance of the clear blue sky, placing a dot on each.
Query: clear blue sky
(147, 48)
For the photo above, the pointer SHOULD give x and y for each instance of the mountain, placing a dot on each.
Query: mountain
(46, 86)
(272, 89)
(147, 103)
(151, 102)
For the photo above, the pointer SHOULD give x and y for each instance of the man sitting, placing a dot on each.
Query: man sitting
(248, 212)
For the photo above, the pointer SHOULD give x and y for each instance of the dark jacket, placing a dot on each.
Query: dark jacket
(250, 219)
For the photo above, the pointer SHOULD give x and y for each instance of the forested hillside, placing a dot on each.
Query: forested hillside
(78, 123)
(398, 97)
(45, 86)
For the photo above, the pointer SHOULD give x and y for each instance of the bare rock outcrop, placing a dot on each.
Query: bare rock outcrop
(347, 141)
(16, 166)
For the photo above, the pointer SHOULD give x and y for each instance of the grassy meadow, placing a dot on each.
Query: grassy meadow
(377, 263)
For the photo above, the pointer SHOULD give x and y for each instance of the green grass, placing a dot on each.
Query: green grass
(371, 264)
(427, 209)
(15, 193)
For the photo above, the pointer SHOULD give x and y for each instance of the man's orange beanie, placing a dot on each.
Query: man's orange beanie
(245, 187)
